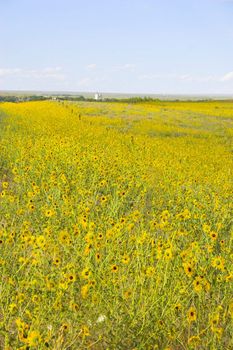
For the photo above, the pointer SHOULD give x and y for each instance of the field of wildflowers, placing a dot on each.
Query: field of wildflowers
(115, 226)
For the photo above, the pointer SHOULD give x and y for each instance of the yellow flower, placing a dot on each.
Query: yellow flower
(64, 237)
(57, 261)
(89, 237)
(85, 331)
(87, 249)
(74, 307)
(12, 307)
(63, 285)
(214, 320)
(41, 241)
(197, 284)
(192, 315)
(98, 257)
(194, 340)
(178, 307)
(218, 331)
(5, 184)
(103, 199)
(168, 254)
(127, 294)
(84, 291)
(49, 213)
(206, 228)
(150, 271)
(114, 268)
(213, 235)
(126, 259)
(188, 269)
(86, 273)
(71, 277)
(34, 338)
(218, 262)
(65, 327)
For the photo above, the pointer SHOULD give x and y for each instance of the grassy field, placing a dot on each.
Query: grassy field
(116, 226)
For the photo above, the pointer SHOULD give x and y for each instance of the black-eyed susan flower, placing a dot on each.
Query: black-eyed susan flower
(213, 235)
(197, 284)
(98, 257)
(218, 263)
(71, 277)
(49, 213)
(65, 327)
(125, 259)
(168, 254)
(57, 261)
(64, 237)
(188, 268)
(192, 314)
(177, 307)
(86, 273)
(100, 236)
(114, 268)
(103, 199)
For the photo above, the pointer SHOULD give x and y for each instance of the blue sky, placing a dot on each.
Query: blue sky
(137, 46)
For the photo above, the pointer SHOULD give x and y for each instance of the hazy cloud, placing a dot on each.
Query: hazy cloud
(91, 66)
(46, 73)
(200, 79)
(125, 67)
(227, 77)
(157, 76)
(188, 77)
(4, 72)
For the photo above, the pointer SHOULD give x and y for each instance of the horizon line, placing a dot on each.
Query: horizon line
(115, 92)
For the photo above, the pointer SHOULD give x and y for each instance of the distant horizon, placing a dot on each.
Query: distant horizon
(144, 94)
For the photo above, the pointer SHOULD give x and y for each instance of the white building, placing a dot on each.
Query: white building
(98, 96)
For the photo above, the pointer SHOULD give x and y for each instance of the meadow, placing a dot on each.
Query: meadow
(116, 225)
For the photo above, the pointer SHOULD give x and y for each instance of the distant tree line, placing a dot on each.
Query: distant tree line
(22, 99)
(66, 97)
(132, 99)
(71, 98)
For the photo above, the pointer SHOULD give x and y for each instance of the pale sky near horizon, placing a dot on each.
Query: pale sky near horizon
(131, 46)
